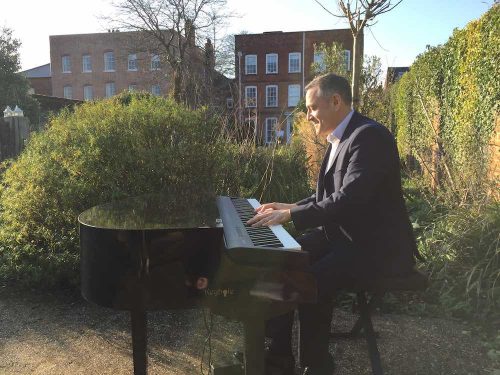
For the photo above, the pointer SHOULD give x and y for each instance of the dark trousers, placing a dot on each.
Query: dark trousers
(335, 265)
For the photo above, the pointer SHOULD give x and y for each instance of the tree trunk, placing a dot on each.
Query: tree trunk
(356, 70)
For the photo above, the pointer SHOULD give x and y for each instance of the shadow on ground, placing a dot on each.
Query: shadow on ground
(51, 335)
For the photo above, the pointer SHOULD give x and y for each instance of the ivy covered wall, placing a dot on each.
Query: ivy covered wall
(447, 106)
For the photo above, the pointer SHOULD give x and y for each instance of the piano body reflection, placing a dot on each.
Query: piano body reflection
(147, 253)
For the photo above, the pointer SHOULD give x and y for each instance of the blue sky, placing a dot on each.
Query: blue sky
(402, 33)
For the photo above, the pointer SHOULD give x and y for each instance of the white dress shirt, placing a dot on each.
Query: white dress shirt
(335, 136)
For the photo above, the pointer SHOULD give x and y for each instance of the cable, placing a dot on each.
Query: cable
(208, 322)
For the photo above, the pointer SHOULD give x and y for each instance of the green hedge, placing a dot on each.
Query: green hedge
(111, 149)
(449, 101)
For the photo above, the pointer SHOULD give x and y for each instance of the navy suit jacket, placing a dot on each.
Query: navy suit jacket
(360, 199)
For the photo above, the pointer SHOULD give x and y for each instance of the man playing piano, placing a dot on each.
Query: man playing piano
(357, 222)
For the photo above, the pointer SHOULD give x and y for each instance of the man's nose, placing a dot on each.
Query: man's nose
(309, 117)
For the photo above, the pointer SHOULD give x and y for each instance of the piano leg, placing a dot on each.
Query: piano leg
(139, 340)
(254, 346)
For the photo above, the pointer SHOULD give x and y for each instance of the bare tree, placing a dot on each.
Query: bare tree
(173, 27)
(360, 13)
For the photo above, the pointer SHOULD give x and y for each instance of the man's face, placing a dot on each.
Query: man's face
(322, 111)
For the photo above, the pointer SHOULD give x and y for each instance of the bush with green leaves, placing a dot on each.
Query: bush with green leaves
(106, 150)
(446, 107)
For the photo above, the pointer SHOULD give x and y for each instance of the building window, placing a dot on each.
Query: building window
(110, 89)
(66, 64)
(293, 95)
(109, 61)
(251, 64)
(132, 87)
(155, 62)
(271, 63)
(294, 62)
(271, 96)
(132, 62)
(319, 60)
(155, 90)
(347, 60)
(68, 92)
(270, 129)
(251, 96)
(88, 92)
(86, 64)
(229, 103)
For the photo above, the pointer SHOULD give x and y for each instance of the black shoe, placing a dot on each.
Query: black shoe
(277, 364)
(325, 368)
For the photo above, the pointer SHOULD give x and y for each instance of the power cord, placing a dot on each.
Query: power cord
(208, 321)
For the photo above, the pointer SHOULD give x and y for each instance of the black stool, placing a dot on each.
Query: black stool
(368, 293)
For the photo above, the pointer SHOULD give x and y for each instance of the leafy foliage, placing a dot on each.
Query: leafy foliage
(447, 106)
(129, 145)
(333, 60)
(13, 86)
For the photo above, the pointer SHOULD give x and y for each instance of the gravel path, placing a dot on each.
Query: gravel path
(51, 335)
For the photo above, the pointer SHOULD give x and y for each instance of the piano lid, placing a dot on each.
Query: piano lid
(153, 211)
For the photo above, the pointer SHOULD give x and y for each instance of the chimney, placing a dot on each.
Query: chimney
(209, 55)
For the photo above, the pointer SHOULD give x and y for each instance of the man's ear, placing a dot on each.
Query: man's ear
(336, 100)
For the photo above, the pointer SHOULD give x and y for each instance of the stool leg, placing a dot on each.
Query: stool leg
(370, 335)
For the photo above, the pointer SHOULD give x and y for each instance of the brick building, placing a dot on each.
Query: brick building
(90, 66)
(39, 79)
(271, 71)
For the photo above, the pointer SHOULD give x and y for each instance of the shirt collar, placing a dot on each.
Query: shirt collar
(339, 130)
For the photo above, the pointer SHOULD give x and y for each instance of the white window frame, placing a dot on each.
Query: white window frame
(88, 95)
(247, 104)
(319, 58)
(269, 97)
(247, 64)
(294, 56)
(110, 89)
(292, 103)
(270, 121)
(132, 87)
(268, 62)
(229, 103)
(109, 61)
(66, 63)
(132, 62)
(68, 92)
(347, 59)
(86, 63)
(155, 62)
(156, 90)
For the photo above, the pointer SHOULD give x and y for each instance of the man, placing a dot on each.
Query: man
(359, 227)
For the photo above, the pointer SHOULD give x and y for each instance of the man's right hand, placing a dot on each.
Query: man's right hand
(275, 206)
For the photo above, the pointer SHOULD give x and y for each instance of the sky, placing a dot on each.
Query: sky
(397, 37)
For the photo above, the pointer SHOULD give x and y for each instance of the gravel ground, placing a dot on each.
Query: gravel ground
(51, 335)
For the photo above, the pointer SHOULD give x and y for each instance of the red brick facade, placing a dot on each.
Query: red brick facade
(282, 44)
(95, 45)
(41, 85)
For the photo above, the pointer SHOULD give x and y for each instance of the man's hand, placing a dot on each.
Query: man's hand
(271, 214)
(274, 206)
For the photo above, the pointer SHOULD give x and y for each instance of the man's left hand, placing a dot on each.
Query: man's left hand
(270, 217)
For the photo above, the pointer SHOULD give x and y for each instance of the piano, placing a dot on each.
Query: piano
(149, 252)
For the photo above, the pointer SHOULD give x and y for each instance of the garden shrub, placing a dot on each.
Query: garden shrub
(128, 145)
(447, 104)
(105, 150)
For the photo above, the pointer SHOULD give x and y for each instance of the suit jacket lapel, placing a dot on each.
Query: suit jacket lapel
(320, 185)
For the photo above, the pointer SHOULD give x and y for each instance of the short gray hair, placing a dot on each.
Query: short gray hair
(329, 84)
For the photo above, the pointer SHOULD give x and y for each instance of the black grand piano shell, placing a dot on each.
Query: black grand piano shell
(148, 251)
